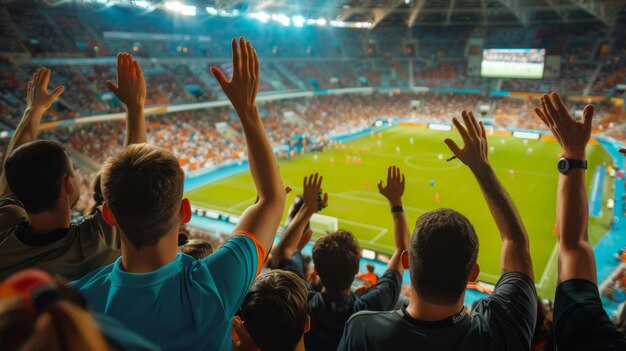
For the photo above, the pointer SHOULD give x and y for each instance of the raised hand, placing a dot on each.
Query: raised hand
(395, 186)
(474, 152)
(131, 85)
(38, 96)
(572, 135)
(243, 86)
(311, 194)
(244, 342)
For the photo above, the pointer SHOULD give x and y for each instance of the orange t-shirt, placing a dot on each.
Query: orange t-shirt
(368, 277)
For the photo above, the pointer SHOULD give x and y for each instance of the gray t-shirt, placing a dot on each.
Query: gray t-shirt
(503, 321)
(70, 252)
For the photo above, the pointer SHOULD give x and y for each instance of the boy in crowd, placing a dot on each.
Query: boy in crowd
(336, 260)
(580, 321)
(170, 298)
(274, 314)
(442, 256)
(39, 188)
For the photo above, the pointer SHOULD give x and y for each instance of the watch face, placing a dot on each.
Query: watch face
(563, 165)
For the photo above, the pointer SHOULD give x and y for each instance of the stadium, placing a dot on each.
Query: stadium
(346, 89)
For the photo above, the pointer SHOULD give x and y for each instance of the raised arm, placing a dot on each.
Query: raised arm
(261, 219)
(131, 90)
(393, 191)
(38, 101)
(515, 254)
(576, 258)
(292, 238)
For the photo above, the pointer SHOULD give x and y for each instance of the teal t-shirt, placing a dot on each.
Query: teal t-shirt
(184, 305)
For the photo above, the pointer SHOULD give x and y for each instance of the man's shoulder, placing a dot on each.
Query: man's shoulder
(12, 212)
(373, 319)
(96, 278)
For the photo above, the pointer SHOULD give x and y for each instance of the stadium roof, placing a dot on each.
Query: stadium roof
(412, 12)
(402, 12)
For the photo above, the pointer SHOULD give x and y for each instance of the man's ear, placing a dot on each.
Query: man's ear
(185, 211)
(68, 184)
(307, 324)
(475, 272)
(108, 215)
(404, 257)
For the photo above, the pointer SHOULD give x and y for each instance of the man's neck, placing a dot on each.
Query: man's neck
(151, 258)
(423, 310)
(300, 346)
(48, 221)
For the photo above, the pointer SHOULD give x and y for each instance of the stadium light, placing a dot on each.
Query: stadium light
(298, 21)
(185, 10)
(141, 3)
(211, 10)
(260, 16)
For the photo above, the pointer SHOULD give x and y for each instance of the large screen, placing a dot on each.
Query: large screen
(513, 63)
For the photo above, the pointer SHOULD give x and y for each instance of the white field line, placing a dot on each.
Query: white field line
(236, 206)
(546, 270)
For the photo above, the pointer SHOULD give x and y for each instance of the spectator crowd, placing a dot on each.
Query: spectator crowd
(128, 277)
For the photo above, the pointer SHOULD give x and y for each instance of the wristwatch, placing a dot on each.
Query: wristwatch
(566, 164)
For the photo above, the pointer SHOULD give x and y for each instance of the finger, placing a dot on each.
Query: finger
(57, 92)
(552, 112)
(453, 147)
(305, 182)
(221, 78)
(389, 170)
(45, 79)
(118, 68)
(396, 175)
(325, 200)
(588, 118)
(112, 87)
(288, 189)
(251, 68)
(236, 61)
(403, 181)
(138, 70)
(380, 186)
(483, 133)
(543, 117)
(257, 67)
(319, 182)
(471, 129)
(475, 123)
(244, 57)
(559, 106)
(462, 130)
(39, 75)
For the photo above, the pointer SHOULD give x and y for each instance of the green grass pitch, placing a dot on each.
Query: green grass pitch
(366, 213)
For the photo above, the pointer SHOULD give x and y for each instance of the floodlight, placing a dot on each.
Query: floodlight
(298, 21)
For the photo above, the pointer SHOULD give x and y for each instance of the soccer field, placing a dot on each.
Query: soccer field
(362, 210)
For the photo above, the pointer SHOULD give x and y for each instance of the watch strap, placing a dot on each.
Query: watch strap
(577, 163)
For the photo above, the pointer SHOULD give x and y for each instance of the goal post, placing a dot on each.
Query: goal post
(321, 224)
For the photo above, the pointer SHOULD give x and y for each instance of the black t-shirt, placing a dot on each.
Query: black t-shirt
(580, 322)
(503, 321)
(329, 313)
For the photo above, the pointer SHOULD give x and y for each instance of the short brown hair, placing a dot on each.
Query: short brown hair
(275, 310)
(34, 172)
(443, 252)
(143, 187)
(336, 256)
(197, 248)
